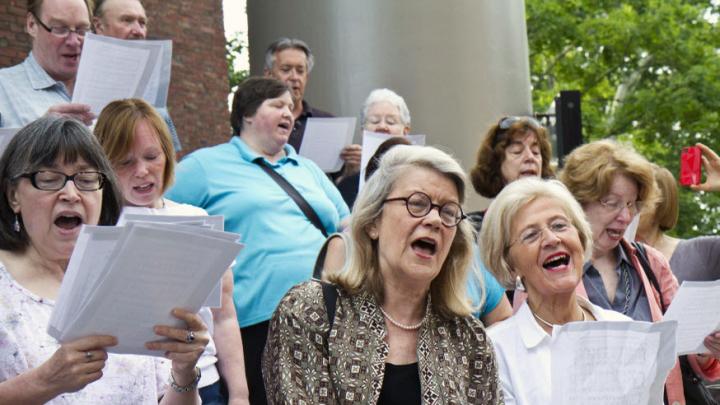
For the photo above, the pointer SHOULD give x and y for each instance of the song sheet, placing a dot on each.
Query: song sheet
(151, 269)
(370, 143)
(215, 222)
(611, 363)
(325, 138)
(112, 69)
(696, 308)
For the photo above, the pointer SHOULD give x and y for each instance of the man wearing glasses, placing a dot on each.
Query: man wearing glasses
(126, 19)
(44, 82)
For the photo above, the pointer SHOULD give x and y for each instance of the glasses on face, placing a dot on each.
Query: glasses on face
(62, 32)
(49, 180)
(506, 122)
(616, 205)
(532, 235)
(419, 204)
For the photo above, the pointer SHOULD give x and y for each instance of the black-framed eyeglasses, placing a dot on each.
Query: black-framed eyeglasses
(62, 32)
(419, 204)
(50, 180)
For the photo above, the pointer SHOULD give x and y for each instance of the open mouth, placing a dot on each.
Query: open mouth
(615, 233)
(556, 261)
(528, 173)
(68, 221)
(144, 188)
(284, 125)
(424, 246)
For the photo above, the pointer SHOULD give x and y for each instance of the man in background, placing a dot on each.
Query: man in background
(126, 19)
(290, 61)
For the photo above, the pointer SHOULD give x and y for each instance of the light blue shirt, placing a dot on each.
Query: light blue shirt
(493, 291)
(27, 91)
(281, 244)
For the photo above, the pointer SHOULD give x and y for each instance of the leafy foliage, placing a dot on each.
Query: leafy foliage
(233, 49)
(649, 72)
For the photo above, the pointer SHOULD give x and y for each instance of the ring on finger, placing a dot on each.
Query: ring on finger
(88, 356)
(190, 337)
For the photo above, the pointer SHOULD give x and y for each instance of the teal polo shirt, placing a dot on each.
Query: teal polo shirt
(281, 244)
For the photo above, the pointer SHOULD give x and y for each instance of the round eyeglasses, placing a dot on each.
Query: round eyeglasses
(616, 205)
(50, 180)
(419, 204)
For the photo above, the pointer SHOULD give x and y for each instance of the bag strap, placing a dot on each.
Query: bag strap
(645, 263)
(329, 292)
(301, 202)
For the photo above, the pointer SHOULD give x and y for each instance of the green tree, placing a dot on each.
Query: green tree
(649, 72)
(233, 49)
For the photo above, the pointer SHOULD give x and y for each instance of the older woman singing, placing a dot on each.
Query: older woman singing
(401, 329)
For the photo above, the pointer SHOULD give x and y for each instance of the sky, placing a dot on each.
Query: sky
(236, 21)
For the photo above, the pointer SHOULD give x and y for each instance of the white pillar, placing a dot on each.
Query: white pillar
(459, 64)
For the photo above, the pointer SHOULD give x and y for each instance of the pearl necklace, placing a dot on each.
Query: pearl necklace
(401, 325)
(550, 325)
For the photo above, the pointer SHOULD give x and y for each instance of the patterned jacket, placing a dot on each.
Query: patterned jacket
(305, 363)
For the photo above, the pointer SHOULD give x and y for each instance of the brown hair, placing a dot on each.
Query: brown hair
(666, 208)
(486, 176)
(374, 161)
(248, 97)
(591, 168)
(115, 129)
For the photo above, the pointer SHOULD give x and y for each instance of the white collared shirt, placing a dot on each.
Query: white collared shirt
(522, 350)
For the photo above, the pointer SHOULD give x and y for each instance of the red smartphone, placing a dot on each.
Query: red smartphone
(690, 166)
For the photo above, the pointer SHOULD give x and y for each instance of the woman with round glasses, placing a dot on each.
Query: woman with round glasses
(55, 178)
(396, 326)
(515, 147)
(611, 181)
(535, 236)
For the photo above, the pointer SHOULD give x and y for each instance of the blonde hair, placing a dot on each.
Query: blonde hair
(591, 168)
(449, 289)
(115, 129)
(496, 232)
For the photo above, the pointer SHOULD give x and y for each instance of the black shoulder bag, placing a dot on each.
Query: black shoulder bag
(301, 202)
(696, 393)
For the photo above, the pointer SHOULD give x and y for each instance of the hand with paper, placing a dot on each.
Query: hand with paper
(80, 112)
(57, 181)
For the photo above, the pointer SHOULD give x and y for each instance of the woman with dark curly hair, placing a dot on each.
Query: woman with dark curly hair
(514, 147)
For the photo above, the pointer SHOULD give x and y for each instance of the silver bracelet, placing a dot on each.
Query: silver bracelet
(181, 389)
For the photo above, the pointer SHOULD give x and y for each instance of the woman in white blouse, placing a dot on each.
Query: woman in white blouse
(535, 237)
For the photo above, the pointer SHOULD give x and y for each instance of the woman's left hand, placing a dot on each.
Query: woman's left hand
(185, 345)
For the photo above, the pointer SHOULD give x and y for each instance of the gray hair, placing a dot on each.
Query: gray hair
(39, 145)
(284, 43)
(495, 234)
(449, 288)
(391, 97)
(99, 8)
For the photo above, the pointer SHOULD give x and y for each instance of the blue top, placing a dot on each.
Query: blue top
(281, 244)
(27, 91)
(630, 297)
(493, 290)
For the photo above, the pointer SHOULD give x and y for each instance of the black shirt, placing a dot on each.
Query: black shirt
(401, 385)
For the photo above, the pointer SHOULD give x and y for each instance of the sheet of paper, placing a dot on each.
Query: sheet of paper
(611, 363)
(6, 135)
(215, 222)
(371, 141)
(325, 138)
(153, 271)
(103, 240)
(631, 230)
(112, 69)
(696, 308)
